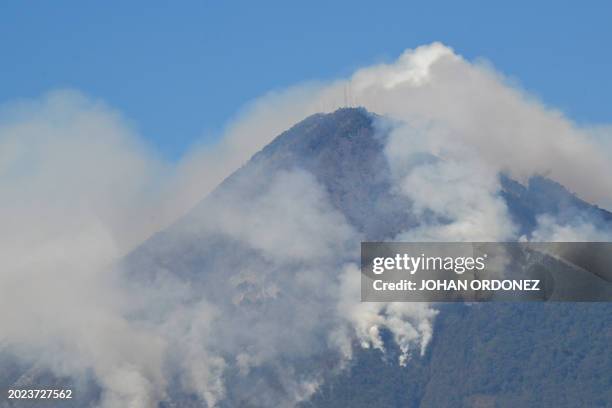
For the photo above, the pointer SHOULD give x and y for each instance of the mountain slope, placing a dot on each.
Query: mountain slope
(483, 355)
(247, 292)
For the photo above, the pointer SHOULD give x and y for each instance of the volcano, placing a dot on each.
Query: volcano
(479, 355)
(254, 291)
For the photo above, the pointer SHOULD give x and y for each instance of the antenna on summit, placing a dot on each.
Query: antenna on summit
(350, 102)
(348, 97)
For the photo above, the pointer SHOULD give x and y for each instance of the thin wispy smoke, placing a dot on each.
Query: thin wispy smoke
(79, 190)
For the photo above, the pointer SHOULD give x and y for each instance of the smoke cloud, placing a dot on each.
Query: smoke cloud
(79, 189)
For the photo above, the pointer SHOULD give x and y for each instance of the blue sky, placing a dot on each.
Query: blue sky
(180, 70)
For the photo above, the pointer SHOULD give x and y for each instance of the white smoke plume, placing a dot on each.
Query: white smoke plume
(579, 230)
(79, 189)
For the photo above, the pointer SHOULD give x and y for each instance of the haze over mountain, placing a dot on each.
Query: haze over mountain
(255, 292)
(252, 297)
(269, 248)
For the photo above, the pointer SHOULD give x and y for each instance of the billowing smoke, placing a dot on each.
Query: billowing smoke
(75, 183)
(79, 190)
